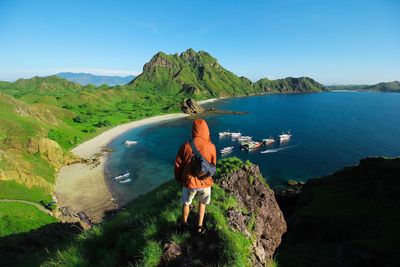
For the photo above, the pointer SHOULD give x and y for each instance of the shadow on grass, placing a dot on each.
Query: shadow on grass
(34, 247)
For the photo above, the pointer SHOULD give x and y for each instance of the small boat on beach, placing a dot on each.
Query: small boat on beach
(223, 134)
(226, 150)
(284, 137)
(122, 176)
(130, 143)
(125, 181)
(269, 141)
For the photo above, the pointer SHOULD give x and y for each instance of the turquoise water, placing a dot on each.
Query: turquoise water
(330, 131)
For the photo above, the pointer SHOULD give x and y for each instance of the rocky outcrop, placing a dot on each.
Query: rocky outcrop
(49, 149)
(263, 216)
(189, 106)
(350, 214)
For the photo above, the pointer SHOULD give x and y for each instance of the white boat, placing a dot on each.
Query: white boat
(125, 181)
(122, 176)
(223, 134)
(130, 143)
(244, 138)
(235, 135)
(284, 137)
(269, 141)
(226, 150)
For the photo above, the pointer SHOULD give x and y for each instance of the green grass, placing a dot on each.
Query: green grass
(137, 234)
(20, 217)
(14, 190)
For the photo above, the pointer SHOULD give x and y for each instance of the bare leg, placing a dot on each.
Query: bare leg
(202, 209)
(185, 213)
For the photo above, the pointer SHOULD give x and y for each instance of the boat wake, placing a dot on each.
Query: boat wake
(275, 150)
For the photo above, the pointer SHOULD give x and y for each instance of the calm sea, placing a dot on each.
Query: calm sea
(330, 130)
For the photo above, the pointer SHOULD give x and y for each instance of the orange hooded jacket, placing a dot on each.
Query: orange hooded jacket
(183, 170)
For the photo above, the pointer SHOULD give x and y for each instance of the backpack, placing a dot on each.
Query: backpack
(200, 166)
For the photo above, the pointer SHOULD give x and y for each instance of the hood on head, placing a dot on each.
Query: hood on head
(200, 129)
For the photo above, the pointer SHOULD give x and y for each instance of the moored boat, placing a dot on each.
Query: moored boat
(251, 145)
(284, 137)
(244, 138)
(269, 141)
(125, 181)
(235, 135)
(226, 150)
(223, 134)
(122, 176)
(130, 143)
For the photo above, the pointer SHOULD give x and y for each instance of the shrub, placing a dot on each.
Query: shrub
(67, 106)
(104, 123)
(229, 165)
(80, 119)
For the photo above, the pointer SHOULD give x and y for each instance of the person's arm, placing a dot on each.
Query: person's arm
(214, 156)
(179, 163)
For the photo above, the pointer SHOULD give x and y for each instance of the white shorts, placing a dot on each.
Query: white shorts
(188, 195)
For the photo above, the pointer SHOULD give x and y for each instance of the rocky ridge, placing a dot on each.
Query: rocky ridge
(263, 220)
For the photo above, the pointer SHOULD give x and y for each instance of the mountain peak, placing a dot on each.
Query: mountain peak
(199, 74)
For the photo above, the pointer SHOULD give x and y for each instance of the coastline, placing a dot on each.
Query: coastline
(84, 186)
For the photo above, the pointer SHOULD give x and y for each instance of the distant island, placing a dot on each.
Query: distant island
(382, 87)
(88, 78)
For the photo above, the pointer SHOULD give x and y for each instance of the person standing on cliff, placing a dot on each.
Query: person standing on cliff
(194, 167)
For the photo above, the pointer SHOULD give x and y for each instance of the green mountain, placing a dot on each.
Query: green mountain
(199, 75)
(97, 80)
(383, 87)
(289, 85)
(190, 74)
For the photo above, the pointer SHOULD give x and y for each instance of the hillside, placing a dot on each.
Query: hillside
(199, 75)
(345, 219)
(97, 80)
(242, 231)
(289, 85)
(41, 119)
(382, 87)
(385, 87)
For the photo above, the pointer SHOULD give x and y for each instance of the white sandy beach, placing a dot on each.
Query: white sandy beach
(210, 100)
(82, 187)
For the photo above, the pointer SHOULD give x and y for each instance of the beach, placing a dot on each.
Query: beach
(202, 102)
(83, 186)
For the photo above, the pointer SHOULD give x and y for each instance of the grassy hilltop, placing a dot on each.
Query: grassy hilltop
(42, 118)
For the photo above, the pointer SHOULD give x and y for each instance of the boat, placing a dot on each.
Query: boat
(284, 137)
(269, 151)
(244, 138)
(226, 150)
(235, 135)
(122, 176)
(223, 134)
(125, 181)
(130, 143)
(269, 141)
(252, 145)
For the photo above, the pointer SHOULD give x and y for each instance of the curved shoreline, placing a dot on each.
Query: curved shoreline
(84, 187)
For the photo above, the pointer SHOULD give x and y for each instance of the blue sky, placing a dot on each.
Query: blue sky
(334, 42)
